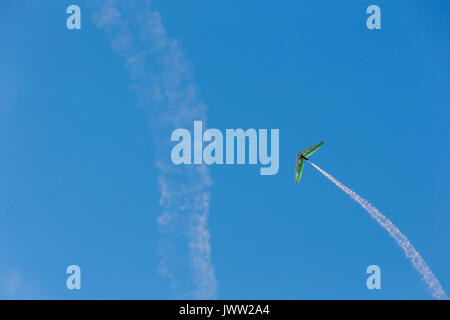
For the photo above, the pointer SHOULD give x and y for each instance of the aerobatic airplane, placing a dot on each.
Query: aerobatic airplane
(301, 156)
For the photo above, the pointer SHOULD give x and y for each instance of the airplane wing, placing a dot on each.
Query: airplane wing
(309, 151)
(299, 169)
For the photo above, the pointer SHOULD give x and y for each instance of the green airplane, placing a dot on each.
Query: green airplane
(302, 156)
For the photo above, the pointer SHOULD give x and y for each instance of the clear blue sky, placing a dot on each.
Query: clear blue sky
(78, 182)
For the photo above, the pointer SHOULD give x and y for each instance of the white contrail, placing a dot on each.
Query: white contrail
(411, 253)
(161, 77)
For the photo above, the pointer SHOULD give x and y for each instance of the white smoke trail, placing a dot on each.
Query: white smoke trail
(411, 253)
(163, 82)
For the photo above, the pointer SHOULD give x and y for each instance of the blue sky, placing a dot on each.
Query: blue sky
(79, 184)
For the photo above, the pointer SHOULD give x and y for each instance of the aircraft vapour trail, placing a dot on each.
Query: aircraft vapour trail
(161, 78)
(411, 253)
